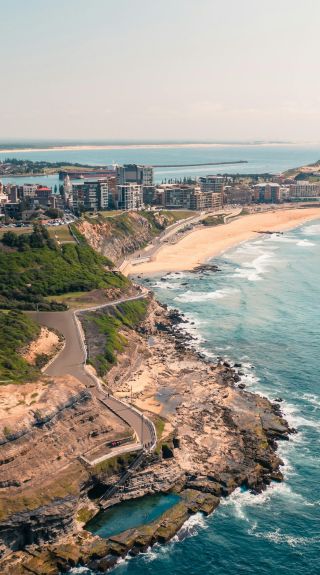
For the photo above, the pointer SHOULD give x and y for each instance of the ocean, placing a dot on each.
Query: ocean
(260, 309)
(260, 158)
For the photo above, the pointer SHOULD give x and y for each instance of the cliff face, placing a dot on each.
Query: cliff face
(47, 427)
(117, 236)
(206, 448)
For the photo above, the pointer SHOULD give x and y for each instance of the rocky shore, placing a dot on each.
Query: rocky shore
(213, 436)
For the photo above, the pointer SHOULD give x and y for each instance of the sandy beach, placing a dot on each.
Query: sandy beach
(146, 146)
(205, 243)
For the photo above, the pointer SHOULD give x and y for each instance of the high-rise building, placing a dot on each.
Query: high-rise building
(91, 195)
(67, 191)
(134, 174)
(176, 196)
(130, 197)
(212, 184)
(267, 192)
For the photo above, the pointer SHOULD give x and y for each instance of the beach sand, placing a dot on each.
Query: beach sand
(202, 244)
(142, 146)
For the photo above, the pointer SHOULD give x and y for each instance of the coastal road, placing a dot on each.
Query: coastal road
(151, 250)
(72, 361)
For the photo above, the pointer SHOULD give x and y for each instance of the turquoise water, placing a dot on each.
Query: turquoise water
(261, 309)
(131, 514)
(260, 159)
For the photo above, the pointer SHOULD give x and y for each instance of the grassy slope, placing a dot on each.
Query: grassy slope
(16, 331)
(26, 277)
(108, 325)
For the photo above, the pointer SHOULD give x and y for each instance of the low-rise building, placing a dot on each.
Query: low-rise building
(237, 195)
(304, 189)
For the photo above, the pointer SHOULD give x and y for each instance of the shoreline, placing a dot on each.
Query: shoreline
(74, 148)
(202, 245)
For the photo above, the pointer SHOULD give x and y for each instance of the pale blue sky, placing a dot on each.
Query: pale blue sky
(160, 69)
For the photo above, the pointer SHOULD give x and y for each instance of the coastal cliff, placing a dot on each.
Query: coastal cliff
(120, 235)
(212, 437)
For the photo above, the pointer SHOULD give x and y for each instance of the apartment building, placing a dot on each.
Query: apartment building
(92, 195)
(212, 184)
(304, 189)
(267, 192)
(177, 196)
(130, 197)
(134, 174)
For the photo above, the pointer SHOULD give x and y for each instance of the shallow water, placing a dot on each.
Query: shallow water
(131, 514)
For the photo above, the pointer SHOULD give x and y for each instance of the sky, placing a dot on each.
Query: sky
(191, 70)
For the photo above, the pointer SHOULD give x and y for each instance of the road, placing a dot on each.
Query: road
(152, 249)
(72, 361)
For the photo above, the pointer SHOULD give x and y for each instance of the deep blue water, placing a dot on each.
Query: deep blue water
(260, 158)
(262, 309)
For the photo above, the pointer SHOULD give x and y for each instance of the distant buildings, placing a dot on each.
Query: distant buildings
(303, 189)
(134, 174)
(237, 195)
(212, 184)
(177, 196)
(90, 195)
(267, 192)
(130, 197)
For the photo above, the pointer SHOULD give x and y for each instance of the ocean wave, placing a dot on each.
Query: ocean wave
(191, 527)
(279, 537)
(313, 230)
(253, 270)
(311, 398)
(193, 296)
(296, 420)
(305, 244)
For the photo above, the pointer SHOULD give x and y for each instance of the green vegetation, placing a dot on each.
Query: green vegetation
(85, 514)
(105, 327)
(116, 464)
(29, 167)
(16, 331)
(34, 266)
(159, 424)
(213, 221)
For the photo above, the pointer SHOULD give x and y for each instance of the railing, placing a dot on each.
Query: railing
(114, 488)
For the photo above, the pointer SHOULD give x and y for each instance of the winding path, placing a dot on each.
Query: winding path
(72, 361)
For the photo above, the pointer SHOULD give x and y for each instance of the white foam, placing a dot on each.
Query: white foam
(295, 419)
(313, 230)
(312, 398)
(192, 296)
(253, 270)
(278, 537)
(191, 527)
(305, 244)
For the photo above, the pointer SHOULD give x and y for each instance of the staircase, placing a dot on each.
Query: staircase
(114, 488)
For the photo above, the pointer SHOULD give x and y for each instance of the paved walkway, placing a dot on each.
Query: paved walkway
(72, 361)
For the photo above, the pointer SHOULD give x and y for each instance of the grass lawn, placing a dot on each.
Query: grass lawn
(180, 214)
(60, 233)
